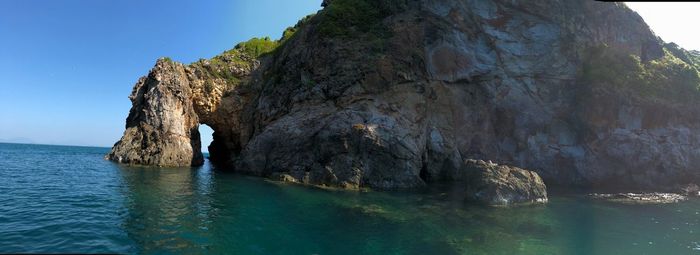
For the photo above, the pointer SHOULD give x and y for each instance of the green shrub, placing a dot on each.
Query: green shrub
(668, 77)
(257, 46)
(288, 33)
(690, 57)
(673, 77)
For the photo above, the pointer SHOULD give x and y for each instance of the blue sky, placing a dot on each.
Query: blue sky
(68, 66)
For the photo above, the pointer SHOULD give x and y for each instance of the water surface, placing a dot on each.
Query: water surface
(68, 199)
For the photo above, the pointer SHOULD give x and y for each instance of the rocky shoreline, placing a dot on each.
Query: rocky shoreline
(640, 198)
(677, 194)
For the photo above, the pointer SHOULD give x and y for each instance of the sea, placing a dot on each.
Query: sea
(65, 199)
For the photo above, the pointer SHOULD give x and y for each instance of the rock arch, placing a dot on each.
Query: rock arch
(168, 105)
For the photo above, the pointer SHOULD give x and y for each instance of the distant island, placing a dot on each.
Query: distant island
(17, 140)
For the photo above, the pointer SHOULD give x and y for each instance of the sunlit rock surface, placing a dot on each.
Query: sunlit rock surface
(162, 128)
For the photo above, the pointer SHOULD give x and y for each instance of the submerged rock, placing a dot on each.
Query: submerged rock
(641, 198)
(501, 185)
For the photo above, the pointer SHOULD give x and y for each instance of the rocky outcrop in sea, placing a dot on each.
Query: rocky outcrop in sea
(400, 94)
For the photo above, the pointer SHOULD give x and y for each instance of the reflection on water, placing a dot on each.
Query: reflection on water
(67, 199)
(168, 208)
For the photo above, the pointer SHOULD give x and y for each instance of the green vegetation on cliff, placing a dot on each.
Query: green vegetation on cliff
(352, 18)
(257, 46)
(668, 77)
(691, 57)
(291, 31)
(241, 59)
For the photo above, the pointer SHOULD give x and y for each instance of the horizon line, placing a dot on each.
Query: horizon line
(63, 145)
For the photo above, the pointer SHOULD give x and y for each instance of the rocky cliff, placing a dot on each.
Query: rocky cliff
(396, 94)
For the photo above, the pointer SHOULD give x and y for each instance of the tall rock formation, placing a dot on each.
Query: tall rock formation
(169, 104)
(162, 128)
(396, 94)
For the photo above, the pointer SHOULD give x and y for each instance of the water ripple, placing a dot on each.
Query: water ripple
(68, 199)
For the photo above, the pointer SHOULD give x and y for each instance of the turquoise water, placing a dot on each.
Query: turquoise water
(68, 199)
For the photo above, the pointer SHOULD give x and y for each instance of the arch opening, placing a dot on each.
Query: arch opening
(206, 134)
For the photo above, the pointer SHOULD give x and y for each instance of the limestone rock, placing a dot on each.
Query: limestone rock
(501, 185)
(162, 128)
(172, 100)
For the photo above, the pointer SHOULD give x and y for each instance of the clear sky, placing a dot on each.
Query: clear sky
(673, 22)
(67, 67)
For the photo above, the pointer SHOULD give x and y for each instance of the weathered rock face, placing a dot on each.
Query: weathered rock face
(500, 185)
(397, 94)
(162, 128)
(169, 104)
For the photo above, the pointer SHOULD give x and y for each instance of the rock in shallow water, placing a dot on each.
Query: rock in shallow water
(640, 198)
(501, 185)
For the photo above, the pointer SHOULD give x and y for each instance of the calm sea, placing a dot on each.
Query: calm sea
(68, 199)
